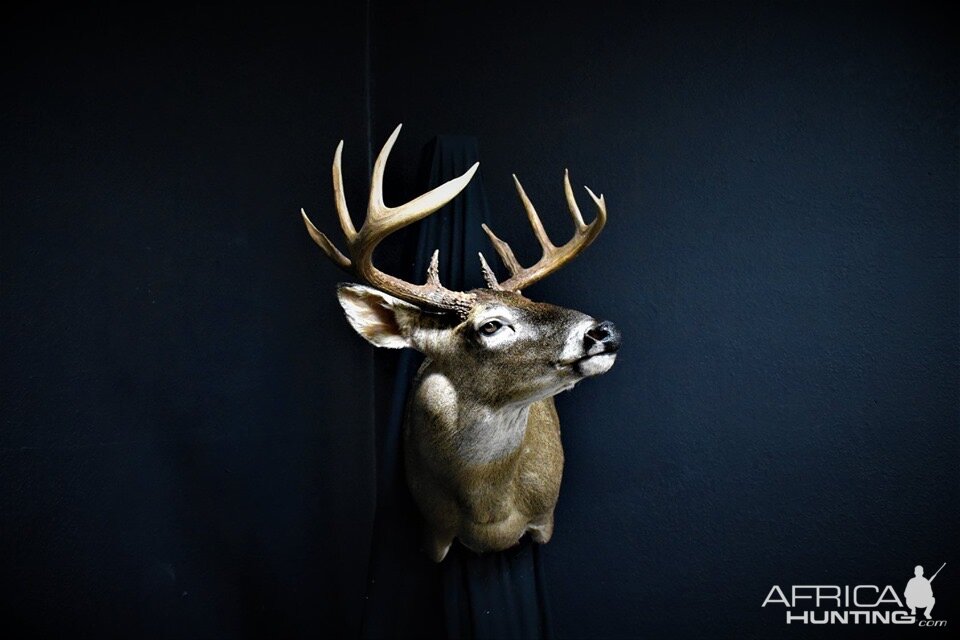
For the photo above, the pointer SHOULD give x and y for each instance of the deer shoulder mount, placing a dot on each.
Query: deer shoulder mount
(481, 434)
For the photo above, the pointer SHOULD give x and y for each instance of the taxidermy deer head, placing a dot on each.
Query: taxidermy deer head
(481, 437)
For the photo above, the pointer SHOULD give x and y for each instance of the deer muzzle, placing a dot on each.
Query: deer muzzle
(600, 343)
(603, 337)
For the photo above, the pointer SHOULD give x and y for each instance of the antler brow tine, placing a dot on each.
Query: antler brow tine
(318, 236)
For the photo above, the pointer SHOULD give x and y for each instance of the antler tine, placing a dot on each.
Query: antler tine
(318, 236)
(418, 208)
(433, 269)
(572, 202)
(535, 222)
(380, 222)
(503, 250)
(488, 275)
(376, 208)
(346, 222)
(553, 257)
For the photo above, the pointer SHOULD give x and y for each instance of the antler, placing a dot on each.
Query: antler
(553, 257)
(380, 222)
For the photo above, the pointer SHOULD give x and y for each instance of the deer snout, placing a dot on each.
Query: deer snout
(603, 337)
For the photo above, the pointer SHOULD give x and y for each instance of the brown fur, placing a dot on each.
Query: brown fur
(488, 507)
(481, 433)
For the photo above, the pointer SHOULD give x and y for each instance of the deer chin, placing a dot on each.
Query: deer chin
(591, 365)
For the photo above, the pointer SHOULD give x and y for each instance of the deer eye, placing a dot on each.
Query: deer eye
(490, 327)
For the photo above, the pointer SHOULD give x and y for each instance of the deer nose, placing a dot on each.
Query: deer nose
(603, 337)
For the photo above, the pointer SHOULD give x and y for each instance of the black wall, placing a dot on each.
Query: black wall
(781, 257)
(187, 421)
(187, 432)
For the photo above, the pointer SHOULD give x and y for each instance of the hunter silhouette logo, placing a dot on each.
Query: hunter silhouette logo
(858, 604)
(919, 593)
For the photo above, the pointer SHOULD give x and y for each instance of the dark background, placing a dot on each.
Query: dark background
(187, 435)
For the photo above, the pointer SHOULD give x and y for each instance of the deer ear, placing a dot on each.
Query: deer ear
(383, 320)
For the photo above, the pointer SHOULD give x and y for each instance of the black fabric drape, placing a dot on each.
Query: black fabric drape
(497, 595)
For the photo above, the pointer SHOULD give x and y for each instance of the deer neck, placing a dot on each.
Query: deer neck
(490, 434)
(482, 433)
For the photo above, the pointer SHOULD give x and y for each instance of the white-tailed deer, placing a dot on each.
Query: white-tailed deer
(481, 434)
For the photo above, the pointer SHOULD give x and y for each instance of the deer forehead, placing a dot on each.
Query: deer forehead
(517, 309)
